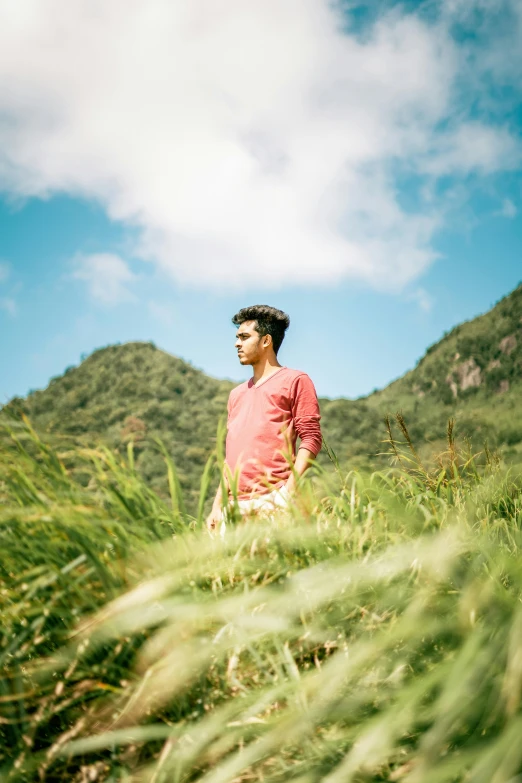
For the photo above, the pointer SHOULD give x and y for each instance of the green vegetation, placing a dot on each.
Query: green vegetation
(138, 393)
(473, 374)
(135, 393)
(371, 634)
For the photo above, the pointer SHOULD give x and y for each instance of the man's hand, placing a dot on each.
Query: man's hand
(302, 463)
(214, 519)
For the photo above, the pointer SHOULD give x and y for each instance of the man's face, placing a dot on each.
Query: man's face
(249, 343)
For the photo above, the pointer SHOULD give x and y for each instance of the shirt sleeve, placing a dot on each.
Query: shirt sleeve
(305, 413)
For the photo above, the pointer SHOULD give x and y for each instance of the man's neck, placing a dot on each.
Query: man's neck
(265, 368)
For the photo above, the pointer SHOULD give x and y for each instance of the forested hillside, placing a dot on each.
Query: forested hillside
(475, 374)
(137, 392)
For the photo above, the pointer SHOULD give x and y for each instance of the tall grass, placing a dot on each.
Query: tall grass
(372, 633)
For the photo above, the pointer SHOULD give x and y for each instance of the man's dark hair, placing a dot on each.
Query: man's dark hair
(269, 320)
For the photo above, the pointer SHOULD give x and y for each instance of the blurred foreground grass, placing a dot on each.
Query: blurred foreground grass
(373, 633)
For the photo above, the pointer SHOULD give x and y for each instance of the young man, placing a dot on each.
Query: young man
(266, 415)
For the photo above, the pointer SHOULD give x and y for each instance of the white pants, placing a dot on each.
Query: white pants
(264, 504)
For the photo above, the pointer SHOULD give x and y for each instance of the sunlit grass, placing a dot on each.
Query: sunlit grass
(372, 633)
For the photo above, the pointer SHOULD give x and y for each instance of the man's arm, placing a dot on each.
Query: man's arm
(302, 462)
(306, 415)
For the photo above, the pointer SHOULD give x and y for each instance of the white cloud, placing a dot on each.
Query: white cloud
(508, 209)
(107, 277)
(4, 271)
(473, 147)
(254, 143)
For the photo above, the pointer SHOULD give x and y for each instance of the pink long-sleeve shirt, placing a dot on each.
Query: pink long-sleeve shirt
(264, 421)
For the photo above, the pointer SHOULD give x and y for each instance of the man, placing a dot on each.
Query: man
(266, 415)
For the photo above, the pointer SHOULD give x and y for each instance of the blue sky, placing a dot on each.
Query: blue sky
(373, 191)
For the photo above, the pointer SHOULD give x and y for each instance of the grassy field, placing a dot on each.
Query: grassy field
(373, 633)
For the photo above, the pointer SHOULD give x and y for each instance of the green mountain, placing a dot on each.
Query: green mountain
(136, 392)
(473, 374)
